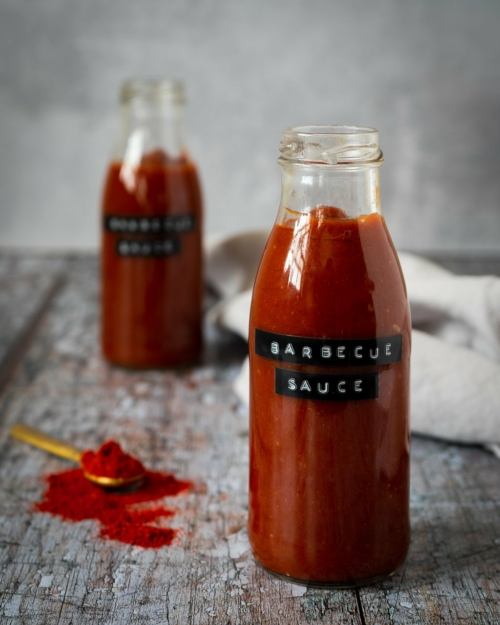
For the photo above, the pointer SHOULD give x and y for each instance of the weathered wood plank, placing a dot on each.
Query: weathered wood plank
(190, 423)
(453, 571)
(27, 285)
(187, 422)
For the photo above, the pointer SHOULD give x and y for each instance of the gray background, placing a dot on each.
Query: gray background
(426, 73)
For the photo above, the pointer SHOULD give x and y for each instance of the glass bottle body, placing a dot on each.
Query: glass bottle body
(329, 382)
(151, 258)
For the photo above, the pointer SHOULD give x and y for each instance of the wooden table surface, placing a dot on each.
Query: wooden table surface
(190, 423)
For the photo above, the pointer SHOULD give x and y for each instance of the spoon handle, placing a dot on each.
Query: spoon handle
(39, 439)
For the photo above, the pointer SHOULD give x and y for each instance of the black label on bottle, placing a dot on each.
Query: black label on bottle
(320, 386)
(174, 224)
(301, 350)
(148, 248)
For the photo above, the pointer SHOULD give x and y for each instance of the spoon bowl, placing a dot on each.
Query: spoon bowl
(111, 483)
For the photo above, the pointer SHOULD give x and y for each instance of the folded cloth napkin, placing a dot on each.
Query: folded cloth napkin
(455, 360)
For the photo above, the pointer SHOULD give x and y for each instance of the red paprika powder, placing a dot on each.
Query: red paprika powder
(111, 461)
(71, 496)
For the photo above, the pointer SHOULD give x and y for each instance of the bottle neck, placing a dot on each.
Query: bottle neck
(152, 121)
(334, 167)
(353, 190)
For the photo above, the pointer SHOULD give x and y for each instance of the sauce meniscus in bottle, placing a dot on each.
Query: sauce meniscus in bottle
(329, 371)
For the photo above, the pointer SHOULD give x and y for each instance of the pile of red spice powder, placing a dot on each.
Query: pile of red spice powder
(71, 496)
(111, 461)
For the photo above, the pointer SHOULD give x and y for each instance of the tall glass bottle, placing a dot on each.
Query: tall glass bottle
(329, 371)
(151, 234)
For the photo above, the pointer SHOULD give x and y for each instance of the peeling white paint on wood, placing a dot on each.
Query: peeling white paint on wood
(190, 423)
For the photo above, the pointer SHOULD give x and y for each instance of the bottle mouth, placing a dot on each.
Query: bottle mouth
(164, 91)
(330, 145)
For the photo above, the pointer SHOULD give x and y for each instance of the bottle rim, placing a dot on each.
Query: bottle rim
(162, 90)
(331, 145)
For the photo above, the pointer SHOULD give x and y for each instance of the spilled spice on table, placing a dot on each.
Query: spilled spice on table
(71, 496)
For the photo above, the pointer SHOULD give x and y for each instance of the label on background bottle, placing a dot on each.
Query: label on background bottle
(174, 224)
(349, 387)
(146, 248)
(329, 352)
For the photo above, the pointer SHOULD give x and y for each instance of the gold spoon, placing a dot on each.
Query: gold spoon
(63, 450)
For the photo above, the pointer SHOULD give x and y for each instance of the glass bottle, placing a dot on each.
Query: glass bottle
(329, 371)
(151, 234)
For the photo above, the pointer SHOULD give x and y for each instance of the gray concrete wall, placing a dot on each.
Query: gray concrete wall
(426, 73)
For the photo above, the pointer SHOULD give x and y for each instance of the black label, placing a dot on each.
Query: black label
(328, 352)
(148, 247)
(326, 387)
(149, 225)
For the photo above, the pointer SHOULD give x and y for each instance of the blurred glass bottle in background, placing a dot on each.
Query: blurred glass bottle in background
(151, 258)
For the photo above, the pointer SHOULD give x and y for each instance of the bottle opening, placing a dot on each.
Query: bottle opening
(169, 91)
(330, 145)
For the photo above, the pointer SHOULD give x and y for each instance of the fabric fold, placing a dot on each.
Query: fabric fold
(455, 341)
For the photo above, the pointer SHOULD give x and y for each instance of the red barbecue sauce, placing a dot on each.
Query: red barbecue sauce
(329, 481)
(151, 307)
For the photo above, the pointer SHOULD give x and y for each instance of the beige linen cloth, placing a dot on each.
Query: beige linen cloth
(455, 362)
